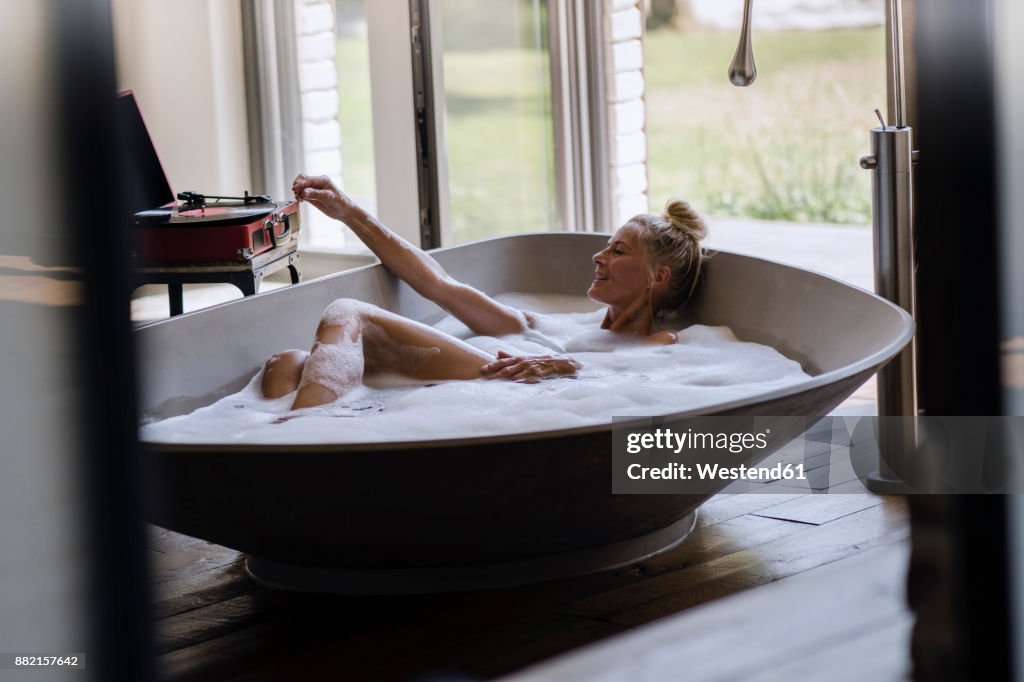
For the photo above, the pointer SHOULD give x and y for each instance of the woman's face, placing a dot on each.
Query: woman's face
(621, 272)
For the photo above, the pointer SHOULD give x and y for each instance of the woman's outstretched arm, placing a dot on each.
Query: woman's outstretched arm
(418, 269)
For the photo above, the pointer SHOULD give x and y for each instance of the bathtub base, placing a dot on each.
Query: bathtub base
(282, 576)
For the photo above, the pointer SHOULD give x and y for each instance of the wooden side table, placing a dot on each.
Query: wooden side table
(244, 275)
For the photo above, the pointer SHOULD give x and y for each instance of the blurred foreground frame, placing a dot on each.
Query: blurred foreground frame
(92, 166)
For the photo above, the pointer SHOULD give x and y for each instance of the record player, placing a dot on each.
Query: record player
(195, 228)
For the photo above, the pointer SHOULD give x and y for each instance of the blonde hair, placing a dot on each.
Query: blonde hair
(673, 239)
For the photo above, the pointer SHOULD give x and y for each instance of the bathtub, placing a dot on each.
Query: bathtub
(466, 513)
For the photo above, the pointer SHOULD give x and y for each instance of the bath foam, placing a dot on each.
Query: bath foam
(621, 376)
(335, 366)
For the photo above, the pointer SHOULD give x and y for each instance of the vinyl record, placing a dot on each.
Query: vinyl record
(207, 215)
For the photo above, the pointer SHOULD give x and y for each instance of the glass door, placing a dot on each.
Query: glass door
(500, 93)
(493, 104)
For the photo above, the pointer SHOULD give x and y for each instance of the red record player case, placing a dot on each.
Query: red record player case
(219, 232)
(232, 240)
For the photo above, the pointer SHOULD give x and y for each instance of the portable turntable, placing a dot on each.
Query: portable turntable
(200, 239)
(197, 228)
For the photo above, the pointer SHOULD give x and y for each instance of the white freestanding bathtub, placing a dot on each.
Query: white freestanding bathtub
(472, 512)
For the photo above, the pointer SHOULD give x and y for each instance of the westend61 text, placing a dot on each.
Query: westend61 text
(707, 472)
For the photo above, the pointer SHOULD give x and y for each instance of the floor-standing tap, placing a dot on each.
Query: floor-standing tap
(892, 217)
(742, 71)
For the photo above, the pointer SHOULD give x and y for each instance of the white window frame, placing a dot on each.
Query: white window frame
(578, 96)
(272, 95)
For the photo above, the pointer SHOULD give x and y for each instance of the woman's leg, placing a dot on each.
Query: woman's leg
(356, 338)
(282, 372)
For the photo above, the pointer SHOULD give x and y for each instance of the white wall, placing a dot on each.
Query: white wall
(627, 109)
(183, 59)
(316, 46)
(394, 131)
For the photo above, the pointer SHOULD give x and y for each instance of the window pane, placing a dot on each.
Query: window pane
(785, 148)
(355, 112)
(497, 92)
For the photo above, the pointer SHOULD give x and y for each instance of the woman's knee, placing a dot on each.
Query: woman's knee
(343, 319)
(343, 310)
(282, 372)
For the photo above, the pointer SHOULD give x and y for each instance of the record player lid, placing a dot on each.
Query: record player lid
(147, 185)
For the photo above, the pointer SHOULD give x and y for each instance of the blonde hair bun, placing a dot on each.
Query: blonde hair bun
(673, 239)
(682, 217)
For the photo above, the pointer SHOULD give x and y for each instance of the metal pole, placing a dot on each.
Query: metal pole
(897, 100)
(891, 162)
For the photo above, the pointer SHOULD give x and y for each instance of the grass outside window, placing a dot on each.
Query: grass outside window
(785, 148)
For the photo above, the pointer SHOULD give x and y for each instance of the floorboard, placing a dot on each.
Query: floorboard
(843, 621)
(214, 623)
(819, 510)
(784, 556)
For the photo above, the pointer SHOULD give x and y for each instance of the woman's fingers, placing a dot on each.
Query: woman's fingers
(529, 369)
(529, 375)
(329, 199)
(315, 187)
(322, 195)
(316, 203)
(300, 183)
(302, 180)
(504, 360)
(496, 366)
(492, 367)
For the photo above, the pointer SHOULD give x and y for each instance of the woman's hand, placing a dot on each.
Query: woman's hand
(529, 369)
(319, 191)
(664, 338)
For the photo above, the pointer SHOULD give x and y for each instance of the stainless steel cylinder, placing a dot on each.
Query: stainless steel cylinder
(892, 213)
(891, 162)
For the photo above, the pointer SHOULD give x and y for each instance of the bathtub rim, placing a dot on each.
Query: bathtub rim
(873, 362)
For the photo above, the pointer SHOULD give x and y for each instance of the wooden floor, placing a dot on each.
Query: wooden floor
(214, 623)
(843, 621)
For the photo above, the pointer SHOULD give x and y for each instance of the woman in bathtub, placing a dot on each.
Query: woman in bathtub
(651, 264)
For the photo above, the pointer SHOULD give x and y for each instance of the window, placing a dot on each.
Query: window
(497, 112)
(525, 134)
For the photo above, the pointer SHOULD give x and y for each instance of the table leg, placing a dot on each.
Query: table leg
(174, 297)
(247, 282)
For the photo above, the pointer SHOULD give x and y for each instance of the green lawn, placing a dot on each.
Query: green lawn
(785, 148)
